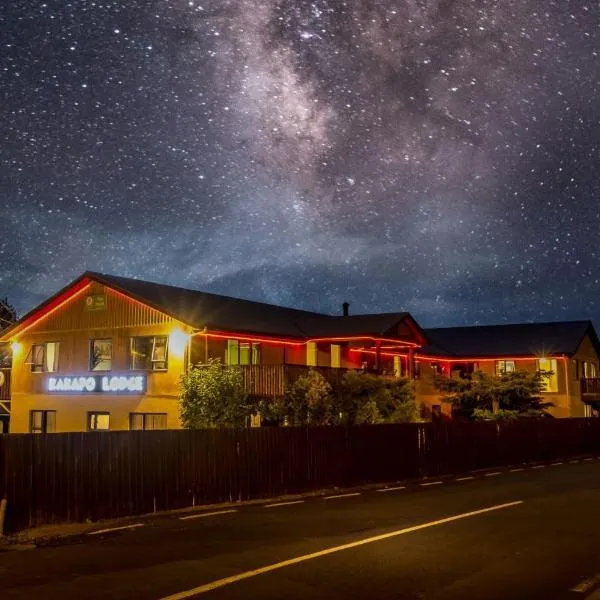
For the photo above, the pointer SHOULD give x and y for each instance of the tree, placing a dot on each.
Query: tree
(510, 395)
(8, 314)
(308, 401)
(370, 398)
(212, 395)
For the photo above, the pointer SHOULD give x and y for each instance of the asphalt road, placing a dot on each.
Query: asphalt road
(532, 533)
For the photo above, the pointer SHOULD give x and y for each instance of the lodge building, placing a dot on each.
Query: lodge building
(108, 352)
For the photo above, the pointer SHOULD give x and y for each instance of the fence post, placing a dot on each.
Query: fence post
(2, 516)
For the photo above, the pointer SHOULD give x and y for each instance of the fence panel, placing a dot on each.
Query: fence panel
(77, 476)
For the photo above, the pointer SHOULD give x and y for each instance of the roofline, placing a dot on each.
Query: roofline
(499, 325)
(437, 357)
(48, 305)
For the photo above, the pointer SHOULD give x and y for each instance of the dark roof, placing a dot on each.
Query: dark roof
(201, 309)
(510, 340)
(222, 313)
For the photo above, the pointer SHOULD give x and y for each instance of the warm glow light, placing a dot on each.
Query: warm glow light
(178, 341)
(16, 348)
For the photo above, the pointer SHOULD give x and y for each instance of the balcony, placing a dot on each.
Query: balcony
(272, 380)
(590, 386)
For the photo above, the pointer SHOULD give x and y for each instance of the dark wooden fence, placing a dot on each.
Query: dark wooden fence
(72, 477)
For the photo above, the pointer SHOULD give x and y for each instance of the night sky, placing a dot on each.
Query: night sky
(436, 156)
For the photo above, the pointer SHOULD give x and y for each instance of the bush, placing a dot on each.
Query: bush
(212, 395)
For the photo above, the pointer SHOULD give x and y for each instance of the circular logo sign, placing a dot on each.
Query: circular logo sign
(2, 378)
(89, 300)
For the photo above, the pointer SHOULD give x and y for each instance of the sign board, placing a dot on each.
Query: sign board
(95, 302)
(2, 378)
(97, 384)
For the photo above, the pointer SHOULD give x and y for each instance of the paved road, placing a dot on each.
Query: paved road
(532, 533)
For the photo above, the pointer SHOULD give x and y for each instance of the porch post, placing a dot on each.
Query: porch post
(378, 355)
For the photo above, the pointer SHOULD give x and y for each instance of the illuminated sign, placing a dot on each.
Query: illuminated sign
(95, 302)
(107, 384)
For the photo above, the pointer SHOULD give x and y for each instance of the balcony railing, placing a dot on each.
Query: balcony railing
(590, 385)
(272, 380)
(5, 388)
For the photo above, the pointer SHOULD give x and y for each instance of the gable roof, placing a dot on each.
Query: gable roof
(524, 339)
(223, 313)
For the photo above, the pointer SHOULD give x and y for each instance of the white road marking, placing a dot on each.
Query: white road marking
(586, 584)
(431, 483)
(517, 470)
(283, 504)
(111, 529)
(538, 467)
(587, 459)
(213, 585)
(341, 496)
(557, 463)
(573, 462)
(469, 478)
(493, 474)
(208, 514)
(392, 489)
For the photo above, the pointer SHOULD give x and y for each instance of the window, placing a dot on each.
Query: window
(43, 358)
(149, 353)
(549, 364)
(100, 355)
(589, 370)
(42, 421)
(505, 366)
(242, 353)
(147, 421)
(336, 356)
(311, 354)
(98, 421)
(397, 366)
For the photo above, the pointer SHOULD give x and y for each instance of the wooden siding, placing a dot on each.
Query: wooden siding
(120, 312)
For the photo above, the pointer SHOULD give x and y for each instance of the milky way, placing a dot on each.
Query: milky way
(438, 156)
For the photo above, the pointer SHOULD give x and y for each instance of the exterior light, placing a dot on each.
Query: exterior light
(16, 348)
(178, 341)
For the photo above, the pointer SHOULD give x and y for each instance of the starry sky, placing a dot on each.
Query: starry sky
(436, 156)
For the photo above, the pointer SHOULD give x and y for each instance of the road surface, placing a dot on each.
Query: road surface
(507, 534)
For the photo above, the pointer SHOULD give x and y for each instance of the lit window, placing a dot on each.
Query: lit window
(100, 355)
(311, 354)
(147, 421)
(336, 356)
(98, 421)
(149, 353)
(43, 358)
(242, 353)
(397, 366)
(42, 421)
(546, 364)
(505, 366)
(589, 370)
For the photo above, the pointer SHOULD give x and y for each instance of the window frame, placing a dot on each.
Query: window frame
(503, 371)
(43, 429)
(149, 359)
(550, 385)
(336, 356)
(144, 416)
(234, 349)
(312, 354)
(95, 413)
(91, 354)
(42, 367)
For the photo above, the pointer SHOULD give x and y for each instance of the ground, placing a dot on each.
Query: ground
(513, 533)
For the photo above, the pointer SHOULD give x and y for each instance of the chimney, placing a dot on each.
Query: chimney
(345, 308)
